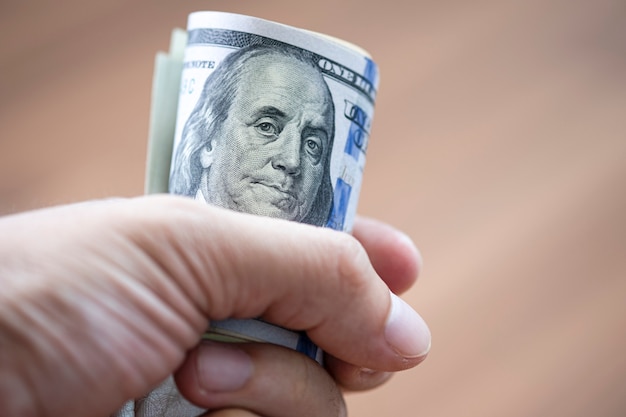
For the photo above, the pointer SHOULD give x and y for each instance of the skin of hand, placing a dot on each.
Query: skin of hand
(101, 301)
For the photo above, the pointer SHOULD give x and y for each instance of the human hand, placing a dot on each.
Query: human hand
(102, 301)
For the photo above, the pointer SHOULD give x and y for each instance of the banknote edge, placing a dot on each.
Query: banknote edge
(163, 110)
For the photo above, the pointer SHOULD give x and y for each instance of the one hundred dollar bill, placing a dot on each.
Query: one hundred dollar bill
(262, 118)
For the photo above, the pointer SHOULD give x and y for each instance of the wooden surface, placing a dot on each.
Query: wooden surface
(498, 145)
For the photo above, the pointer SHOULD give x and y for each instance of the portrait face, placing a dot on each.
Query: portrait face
(268, 156)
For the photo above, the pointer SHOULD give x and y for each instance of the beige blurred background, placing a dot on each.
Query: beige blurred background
(498, 145)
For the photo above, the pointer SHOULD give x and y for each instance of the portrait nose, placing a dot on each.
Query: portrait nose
(287, 156)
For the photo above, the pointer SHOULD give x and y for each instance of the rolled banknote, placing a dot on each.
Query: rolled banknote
(270, 120)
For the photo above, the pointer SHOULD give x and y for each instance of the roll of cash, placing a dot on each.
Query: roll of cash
(270, 120)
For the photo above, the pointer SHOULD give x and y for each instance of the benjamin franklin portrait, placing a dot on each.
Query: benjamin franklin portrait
(260, 137)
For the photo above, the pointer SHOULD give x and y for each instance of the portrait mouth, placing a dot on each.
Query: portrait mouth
(279, 195)
(277, 187)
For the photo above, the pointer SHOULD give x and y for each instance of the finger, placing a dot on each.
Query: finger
(392, 253)
(398, 262)
(294, 275)
(265, 379)
(355, 378)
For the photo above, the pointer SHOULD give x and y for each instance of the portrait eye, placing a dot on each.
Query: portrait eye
(267, 128)
(313, 147)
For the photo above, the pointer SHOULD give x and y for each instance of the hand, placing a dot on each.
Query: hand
(100, 302)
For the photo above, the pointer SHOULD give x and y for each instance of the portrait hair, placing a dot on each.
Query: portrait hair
(211, 111)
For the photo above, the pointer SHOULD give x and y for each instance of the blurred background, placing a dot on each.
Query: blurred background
(498, 145)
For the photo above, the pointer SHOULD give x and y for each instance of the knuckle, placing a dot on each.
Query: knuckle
(352, 262)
